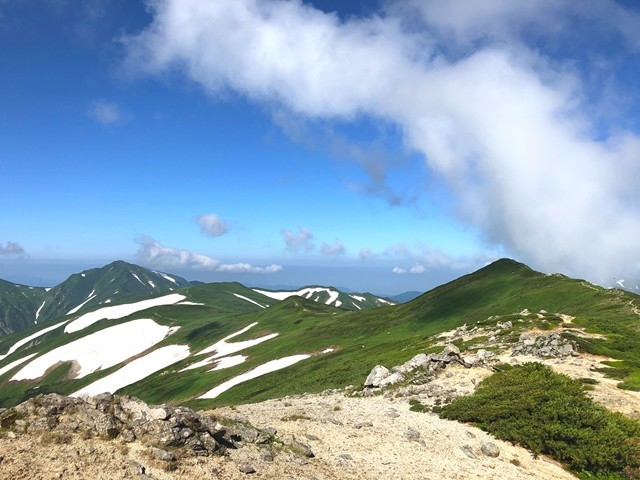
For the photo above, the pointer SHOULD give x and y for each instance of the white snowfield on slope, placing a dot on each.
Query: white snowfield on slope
(136, 370)
(120, 311)
(100, 350)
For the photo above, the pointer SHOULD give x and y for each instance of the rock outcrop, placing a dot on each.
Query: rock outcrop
(178, 429)
(545, 345)
(381, 377)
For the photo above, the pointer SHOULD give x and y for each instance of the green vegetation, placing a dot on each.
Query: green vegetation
(388, 335)
(550, 414)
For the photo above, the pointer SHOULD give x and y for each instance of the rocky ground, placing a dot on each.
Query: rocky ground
(349, 434)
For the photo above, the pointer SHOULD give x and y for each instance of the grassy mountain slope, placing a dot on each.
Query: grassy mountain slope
(112, 283)
(343, 345)
(18, 306)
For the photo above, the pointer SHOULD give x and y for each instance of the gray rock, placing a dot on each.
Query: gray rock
(490, 449)
(302, 448)
(246, 468)
(362, 425)
(161, 454)
(451, 350)
(377, 375)
(412, 434)
(468, 451)
(392, 379)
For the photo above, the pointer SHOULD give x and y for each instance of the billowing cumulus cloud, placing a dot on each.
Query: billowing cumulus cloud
(300, 241)
(212, 225)
(508, 129)
(11, 248)
(156, 255)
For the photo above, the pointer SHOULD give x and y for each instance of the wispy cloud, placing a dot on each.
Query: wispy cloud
(212, 225)
(300, 241)
(335, 248)
(153, 253)
(521, 150)
(11, 248)
(107, 113)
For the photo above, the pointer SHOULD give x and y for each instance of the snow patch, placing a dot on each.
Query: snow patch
(358, 298)
(305, 292)
(153, 285)
(137, 278)
(263, 369)
(136, 370)
(26, 340)
(8, 367)
(224, 362)
(74, 310)
(249, 300)
(119, 311)
(100, 350)
(228, 362)
(620, 282)
(382, 300)
(38, 312)
(164, 275)
(327, 350)
(223, 348)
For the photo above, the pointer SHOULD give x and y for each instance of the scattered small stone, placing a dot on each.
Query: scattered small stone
(362, 425)
(246, 468)
(345, 456)
(490, 449)
(302, 448)
(266, 456)
(331, 419)
(412, 434)
(468, 451)
(163, 455)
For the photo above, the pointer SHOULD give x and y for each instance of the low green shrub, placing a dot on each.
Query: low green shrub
(550, 414)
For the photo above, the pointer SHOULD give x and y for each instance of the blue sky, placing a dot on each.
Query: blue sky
(383, 146)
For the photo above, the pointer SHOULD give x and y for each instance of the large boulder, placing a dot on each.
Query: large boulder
(377, 375)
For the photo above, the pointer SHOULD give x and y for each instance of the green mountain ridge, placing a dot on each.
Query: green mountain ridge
(22, 306)
(332, 347)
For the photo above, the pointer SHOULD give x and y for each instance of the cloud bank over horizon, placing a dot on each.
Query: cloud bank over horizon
(513, 131)
(154, 254)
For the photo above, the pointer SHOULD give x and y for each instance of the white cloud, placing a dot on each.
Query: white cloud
(11, 248)
(212, 225)
(247, 268)
(417, 268)
(303, 240)
(154, 254)
(506, 127)
(107, 113)
(335, 248)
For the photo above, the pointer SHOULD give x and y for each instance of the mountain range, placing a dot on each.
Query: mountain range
(220, 343)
